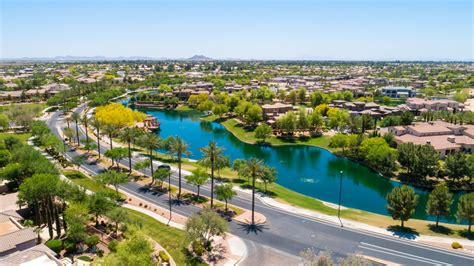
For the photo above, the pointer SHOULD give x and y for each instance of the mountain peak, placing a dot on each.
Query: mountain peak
(199, 58)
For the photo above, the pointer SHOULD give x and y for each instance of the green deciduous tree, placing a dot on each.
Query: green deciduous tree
(263, 131)
(457, 165)
(465, 209)
(439, 202)
(113, 178)
(401, 203)
(225, 192)
(204, 226)
(197, 178)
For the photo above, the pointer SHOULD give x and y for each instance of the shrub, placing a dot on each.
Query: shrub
(54, 244)
(84, 258)
(164, 257)
(456, 245)
(198, 248)
(70, 247)
(100, 253)
(113, 245)
(92, 241)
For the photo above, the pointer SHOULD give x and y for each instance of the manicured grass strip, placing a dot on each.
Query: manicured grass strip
(249, 137)
(184, 108)
(23, 137)
(82, 180)
(210, 118)
(172, 239)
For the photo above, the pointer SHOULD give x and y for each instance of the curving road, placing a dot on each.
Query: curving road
(291, 233)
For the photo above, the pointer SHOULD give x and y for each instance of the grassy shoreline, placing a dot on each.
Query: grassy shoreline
(299, 200)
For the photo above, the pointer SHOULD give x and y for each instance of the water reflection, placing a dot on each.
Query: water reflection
(308, 170)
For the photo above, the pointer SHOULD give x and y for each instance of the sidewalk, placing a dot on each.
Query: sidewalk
(445, 242)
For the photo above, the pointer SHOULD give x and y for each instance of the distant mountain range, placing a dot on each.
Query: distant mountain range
(69, 58)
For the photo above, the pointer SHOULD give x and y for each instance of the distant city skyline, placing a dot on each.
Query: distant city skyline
(263, 30)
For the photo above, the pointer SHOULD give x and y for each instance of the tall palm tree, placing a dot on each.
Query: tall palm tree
(178, 147)
(97, 125)
(75, 116)
(68, 121)
(214, 159)
(110, 129)
(86, 121)
(151, 142)
(129, 135)
(253, 168)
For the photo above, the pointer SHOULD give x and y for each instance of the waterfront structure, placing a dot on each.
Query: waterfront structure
(446, 138)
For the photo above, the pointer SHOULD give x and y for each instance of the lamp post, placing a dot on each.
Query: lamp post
(340, 195)
(169, 193)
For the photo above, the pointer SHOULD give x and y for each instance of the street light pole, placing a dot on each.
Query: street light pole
(169, 193)
(340, 195)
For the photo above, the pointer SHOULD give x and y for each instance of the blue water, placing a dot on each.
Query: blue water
(311, 171)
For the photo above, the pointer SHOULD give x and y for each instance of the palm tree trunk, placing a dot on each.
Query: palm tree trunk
(98, 141)
(212, 183)
(253, 198)
(129, 158)
(199, 187)
(48, 219)
(437, 220)
(110, 138)
(151, 162)
(77, 133)
(403, 224)
(179, 177)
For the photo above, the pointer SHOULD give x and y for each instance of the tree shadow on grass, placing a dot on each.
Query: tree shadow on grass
(465, 233)
(405, 232)
(440, 229)
(255, 228)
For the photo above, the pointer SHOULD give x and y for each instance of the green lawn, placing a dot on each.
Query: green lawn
(249, 137)
(184, 108)
(210, 118)
(82, 180)
(172, 239)
(23, 137)
(37, 108)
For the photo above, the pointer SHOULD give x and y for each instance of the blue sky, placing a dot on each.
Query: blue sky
(293, 29)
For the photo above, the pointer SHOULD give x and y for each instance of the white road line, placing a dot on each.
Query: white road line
(401, 253)
(360, 231)
(402, 256)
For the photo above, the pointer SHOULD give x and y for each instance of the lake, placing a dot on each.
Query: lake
(309, 170)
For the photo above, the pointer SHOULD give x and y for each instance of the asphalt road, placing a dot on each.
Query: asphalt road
(293, 233)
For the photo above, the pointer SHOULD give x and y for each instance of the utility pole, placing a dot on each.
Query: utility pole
(340, 195)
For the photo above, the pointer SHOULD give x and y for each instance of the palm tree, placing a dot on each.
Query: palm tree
(177, 146)
(151, 142)
(110, 129)
(214, 159)
(85, 121)
(129, 135)
(252, 168)
(68, 121)
(97, 124)
(75, 116)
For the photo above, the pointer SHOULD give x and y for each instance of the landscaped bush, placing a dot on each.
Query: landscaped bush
(113, 245)
(92, 241)
(84, 258)
(70, 247)
(164, 257)
(100, 253)
(456, 245)
(54, 244)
